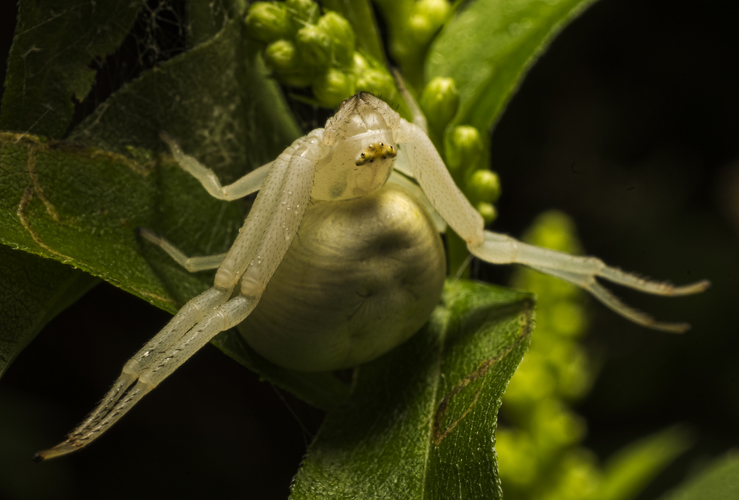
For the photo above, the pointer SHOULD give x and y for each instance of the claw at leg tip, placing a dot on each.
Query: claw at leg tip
(56, 451)
(670, 327)
(44, 455)
(698, 287)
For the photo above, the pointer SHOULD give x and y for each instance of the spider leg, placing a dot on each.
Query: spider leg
(434, 179)
(192, 264)
(248, 184)
(131, 386)
(582, 271)
(257, 252)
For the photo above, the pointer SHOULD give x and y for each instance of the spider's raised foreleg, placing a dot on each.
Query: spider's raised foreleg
(260, 247)
(431, 173)
(246, 185)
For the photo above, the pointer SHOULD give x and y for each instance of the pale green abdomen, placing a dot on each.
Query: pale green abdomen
(361, 277)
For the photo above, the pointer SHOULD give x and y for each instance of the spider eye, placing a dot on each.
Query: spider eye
(362, 155)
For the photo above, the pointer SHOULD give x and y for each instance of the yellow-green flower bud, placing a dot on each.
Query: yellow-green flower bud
(332, 87)
(439, 101)
(420, 28)
(555, 230)
(554, 426)
(341, 34)
(314, 46)
(487, 210)
(302, 12)
(268, 22)
(282, 57)
(483, 185)
(427, 18)
(517, 457)
(463, 148)
(359, 64)
(436, 10)
(377, 82)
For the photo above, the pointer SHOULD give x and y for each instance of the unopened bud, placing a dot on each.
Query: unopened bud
(420, 29)
(332, 87)
(282, 58)
(359, 63)
(463, 148)
(439, 101)
(483, 185)
(314, 46)
(302, 12)
(428, 16)
(268, 22)
(487, 210)
(377, 82)
(437, 11)
(341, 34)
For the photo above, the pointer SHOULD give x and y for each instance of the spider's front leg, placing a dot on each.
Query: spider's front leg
(433, 176)
(248, 184)
(252, 260)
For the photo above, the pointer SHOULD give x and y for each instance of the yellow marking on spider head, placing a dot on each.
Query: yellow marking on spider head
(374, 151)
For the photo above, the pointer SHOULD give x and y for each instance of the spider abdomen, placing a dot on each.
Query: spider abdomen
(360, 278)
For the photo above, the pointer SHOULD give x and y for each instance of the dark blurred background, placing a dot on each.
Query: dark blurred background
(629, 123)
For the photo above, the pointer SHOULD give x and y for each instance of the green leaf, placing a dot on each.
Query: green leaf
(215, 100)
(633, 467)
(488, 48)
(720, 481)
(420, 421)
(81, 205)
(32, 292)
(49, 63)
(48, 67)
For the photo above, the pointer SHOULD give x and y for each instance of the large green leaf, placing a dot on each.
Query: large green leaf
(49, 62)
(420, 421)
(720, 481)
(32, 291)
(81, 205)
(48, 68)
(215, 99)
(488, 47)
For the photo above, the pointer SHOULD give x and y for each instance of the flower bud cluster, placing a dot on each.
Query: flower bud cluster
(541, 450)
(467, 162)
(307, 49)
(464, 148)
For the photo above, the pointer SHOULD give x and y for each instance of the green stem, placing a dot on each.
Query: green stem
(457, 254)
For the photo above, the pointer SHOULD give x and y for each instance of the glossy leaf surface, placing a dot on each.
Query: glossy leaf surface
(420, 421)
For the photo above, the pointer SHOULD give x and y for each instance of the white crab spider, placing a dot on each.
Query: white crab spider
(348, 162)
